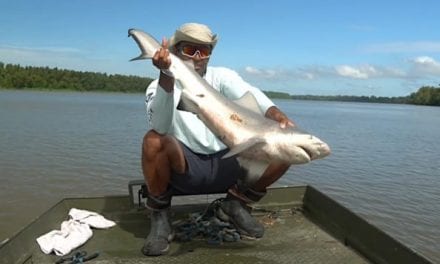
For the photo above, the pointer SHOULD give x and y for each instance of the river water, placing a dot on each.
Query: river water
(385, 162)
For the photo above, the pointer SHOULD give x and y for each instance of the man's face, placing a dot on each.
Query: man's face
(198, 53)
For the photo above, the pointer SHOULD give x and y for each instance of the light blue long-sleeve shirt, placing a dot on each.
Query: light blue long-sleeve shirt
(164, 118)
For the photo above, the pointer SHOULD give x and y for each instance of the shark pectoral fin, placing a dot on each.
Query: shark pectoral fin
(248, 101)
(237, 149)
(188, 103)
(254, 169)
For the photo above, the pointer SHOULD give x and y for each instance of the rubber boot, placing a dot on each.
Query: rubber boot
(161, 234)
(234, 209)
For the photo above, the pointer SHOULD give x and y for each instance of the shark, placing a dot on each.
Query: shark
(256, 140)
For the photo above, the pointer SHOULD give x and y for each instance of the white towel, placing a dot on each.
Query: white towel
(91, 218)
(74, 232)
(72, 235)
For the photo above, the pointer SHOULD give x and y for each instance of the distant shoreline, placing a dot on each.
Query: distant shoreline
(53, 79)
(339, 98)
(426, 95)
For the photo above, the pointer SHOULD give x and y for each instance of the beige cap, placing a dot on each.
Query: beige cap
(195, 33)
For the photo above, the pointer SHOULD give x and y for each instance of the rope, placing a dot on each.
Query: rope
(206, 225)
(77, 258)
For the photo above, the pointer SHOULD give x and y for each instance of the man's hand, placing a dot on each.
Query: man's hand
(161, 58)
(162, 61)
(275, 114)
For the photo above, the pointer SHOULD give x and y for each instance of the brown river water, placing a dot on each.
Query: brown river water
(385, 162)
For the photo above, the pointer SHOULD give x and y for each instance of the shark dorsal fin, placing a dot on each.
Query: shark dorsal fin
(248, 101)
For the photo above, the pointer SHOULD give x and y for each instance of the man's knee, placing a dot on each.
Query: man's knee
(152, 143)
(165, 145)
(175, 154)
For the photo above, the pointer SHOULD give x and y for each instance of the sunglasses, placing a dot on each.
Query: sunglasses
(191, 51)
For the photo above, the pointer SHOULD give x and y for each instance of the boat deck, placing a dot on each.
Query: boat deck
(295, 233)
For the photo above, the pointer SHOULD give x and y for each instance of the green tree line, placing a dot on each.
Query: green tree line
(352, 98)
(278, 95)
(426, 95)
(19, 77)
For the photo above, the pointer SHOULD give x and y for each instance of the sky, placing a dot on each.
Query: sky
(362, 48)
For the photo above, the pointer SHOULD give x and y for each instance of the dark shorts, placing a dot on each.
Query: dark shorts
(206, 173)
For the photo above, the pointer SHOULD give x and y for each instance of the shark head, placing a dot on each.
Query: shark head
(294, 147)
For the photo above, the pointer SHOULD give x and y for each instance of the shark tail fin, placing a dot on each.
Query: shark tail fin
(146, 43)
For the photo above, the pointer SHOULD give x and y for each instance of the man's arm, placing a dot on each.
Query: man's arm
(276, 114)
(160, 96)
(162, 61)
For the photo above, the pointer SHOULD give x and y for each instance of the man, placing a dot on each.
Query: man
(181, 155)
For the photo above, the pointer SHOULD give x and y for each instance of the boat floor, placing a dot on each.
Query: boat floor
(302, 224)
(290, 237)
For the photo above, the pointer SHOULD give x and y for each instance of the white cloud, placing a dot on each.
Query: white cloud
(351, 72)
(398, 79)
(309, 76)
(262, 73)
(365, 79)
(316, 72)
(424, 65)
(425, 60)
(428, 62)
(400, 47)
(369, 72)
(252, 70)
(304, 73)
